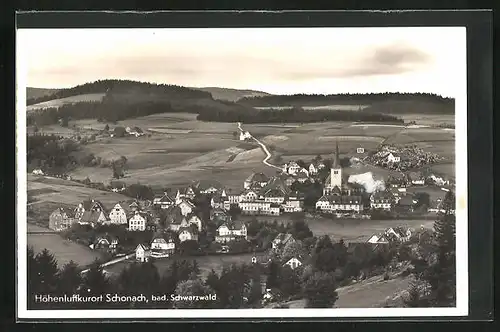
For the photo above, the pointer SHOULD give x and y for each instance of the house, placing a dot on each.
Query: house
(93, 218)
(259, 207)
(38, 171)
(117, 186)
(207, 186)
(281, 240)
(194, 220)
(293, 263)
(302, 176)
(61, 219)
(137, 221)
(163, 201)
(256, 178)
(88, 205)
(134, 206)
(398, 234)
(381, 200)
(378, 238)
(106, 242)
(142, 253)
(293, 168)
(162, 246)
(406, 203)
(393, 158)
(118, 214)
(220, 201)
(186, 206)
(185, 193)
(187, 234)
(416, 178)
(336, 203)
(245, 136)
(360, 150)
(249, 196)
(293, 203)
(313, 169)
(230, 231)
(136, 131)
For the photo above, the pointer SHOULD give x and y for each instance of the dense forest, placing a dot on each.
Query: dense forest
(346, 98)
(120, 86)
(295, 114)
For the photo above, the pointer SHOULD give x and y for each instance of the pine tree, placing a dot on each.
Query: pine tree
(413, 299)
(69, 279)
(95, 283)
(273, 277)
(320, 290)
(33, 278)
(47, 272)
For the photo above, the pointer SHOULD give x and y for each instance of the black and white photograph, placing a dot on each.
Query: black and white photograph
(242, 172)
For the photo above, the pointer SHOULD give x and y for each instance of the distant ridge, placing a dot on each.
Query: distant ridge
(232, 94)
(32, 93)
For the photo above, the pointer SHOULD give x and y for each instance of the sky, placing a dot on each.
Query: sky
(273, 60)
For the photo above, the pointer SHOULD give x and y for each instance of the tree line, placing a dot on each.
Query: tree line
(295, 114)
(347, 98)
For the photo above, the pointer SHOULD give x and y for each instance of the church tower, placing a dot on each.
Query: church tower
(336, 170)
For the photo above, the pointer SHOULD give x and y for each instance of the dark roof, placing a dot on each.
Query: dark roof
(382, 195)
(91, 216)
(344, 199)
(62, 210)
(406, 200)
(336, 160)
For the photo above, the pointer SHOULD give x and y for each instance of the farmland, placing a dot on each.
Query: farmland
(179, 149)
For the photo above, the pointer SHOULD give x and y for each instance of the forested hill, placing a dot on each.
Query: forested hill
(377, 102)
(32, 93)
(122, 87)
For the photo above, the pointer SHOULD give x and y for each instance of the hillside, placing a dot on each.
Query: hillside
(33, 93)
(232, 94)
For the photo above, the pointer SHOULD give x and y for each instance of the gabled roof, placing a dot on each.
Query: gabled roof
(142, 214)
(143, 247)
(302, 175)
(283, 237)
(64, 211)
(91, 216)
(164, 198)
(124, 206)
(257, 177)
(90, 204)
(187, 202)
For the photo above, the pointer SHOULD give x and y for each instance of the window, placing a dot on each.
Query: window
(335, 172)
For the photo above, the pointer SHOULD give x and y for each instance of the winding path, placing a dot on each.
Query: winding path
(262, 145)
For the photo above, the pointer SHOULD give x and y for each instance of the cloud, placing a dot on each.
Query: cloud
(391, 59)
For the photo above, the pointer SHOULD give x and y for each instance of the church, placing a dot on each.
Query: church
(336, 183)
(338, 194)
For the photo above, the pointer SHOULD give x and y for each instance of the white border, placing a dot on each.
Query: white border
(461, 236)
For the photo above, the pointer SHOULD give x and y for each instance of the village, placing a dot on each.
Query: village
(205, 218)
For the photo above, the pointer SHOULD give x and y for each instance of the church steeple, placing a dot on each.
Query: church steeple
(336, 160)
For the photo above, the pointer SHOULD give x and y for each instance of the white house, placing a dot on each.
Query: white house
(392, 158)
(292, 205)
(381, 200)
(163, 201)
(142, 253)
(378, 238)
(186, 234)
(313, 170)
(160, 247)
(231, 231)
(186, 206)
(195, 220)
(360, 150)
(335, 203)
(399, 234)
(38, 171)
(245, 136)
(293, 168)
(259, 207)
(137, 222)
(293, 263)
(118, 214)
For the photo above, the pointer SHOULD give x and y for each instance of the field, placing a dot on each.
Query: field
(63, 250)
(50, 193)
(69, 100)
(179, 149)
